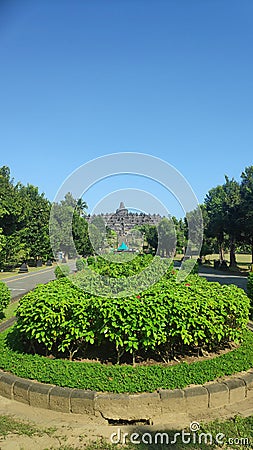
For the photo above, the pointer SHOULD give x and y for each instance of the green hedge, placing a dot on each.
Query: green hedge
(190, 265)
(119, 379)
(250, 285)
(5, 296)
(167, 319)
(80, 264)
(61, 271)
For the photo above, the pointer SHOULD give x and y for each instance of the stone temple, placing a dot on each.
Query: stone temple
(122, 221)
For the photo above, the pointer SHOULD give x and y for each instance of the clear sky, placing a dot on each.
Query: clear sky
(84, 78)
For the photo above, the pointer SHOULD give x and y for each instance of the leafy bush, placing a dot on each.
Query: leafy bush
(250, 285)
(190, 265)
(119, 265)
(61, 271)
(168, 318)
(116, 279)
(125, 378)
(91, 260)
(54, 315)
(5, 296)
(80, 264)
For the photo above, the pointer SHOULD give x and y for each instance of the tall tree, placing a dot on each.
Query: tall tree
(166, 237)
(231, 214)
(34, 233)
(214, 219)
(247, 207)
(150, 235)
(68, 229)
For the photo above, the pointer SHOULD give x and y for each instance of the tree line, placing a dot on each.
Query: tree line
(24, 224)
(227, 213)
(228, 217)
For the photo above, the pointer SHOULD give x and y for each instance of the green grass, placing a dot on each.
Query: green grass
(240, 258)
(124, 378)
(243, 260)
(4, 275)
(10, 425)
(9, 311)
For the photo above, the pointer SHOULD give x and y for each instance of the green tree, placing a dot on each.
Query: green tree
(231, 215)
(166, 237)
(81, 207)
(150, 234)
(223, 208)
(68, 229)
(246, 221)
(214, 218)
(34, 233)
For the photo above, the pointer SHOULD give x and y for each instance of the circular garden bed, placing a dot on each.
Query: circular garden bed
(168, 322)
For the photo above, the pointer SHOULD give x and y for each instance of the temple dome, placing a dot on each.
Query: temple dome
(122, 209)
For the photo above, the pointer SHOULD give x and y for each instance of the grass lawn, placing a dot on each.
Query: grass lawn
(243, 261)
(14, 272)
(10, 425)
(9, 311)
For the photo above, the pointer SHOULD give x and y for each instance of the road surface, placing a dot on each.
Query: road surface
(24, 282)
(221, 276)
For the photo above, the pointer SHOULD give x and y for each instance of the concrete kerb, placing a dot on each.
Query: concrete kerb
(148, 408)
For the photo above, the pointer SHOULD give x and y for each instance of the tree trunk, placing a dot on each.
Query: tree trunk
(232, 253)
(252, 250)
(221, 251)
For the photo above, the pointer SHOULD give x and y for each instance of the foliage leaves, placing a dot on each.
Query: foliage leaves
(167, 318)
(5, 296)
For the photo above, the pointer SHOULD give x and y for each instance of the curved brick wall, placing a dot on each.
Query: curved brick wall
(147, 407)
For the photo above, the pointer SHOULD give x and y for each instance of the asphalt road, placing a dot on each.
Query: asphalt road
(221, 276)
(25, 282)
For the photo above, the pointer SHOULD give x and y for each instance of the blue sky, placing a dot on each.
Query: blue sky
(81, 79)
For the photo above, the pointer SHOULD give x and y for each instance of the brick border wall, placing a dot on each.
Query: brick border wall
(146, 407)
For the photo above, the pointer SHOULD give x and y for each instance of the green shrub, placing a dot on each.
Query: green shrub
(80, 264)
(5, 296)
(91, 260)
(119, 379)
(250, 285)
(168, 318)
(55, 316)
(61, 271)
(189, 266)
(116, 279)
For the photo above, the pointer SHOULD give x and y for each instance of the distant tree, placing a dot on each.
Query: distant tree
(166, 237)
(68, 229)
(150, 235)
(81, 207)
(231, 215)
(194, 222)
(182, 233)
(246, 222)
(34, 234)
(214, 218)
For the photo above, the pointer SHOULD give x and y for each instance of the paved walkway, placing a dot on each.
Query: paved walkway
(77, 430)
